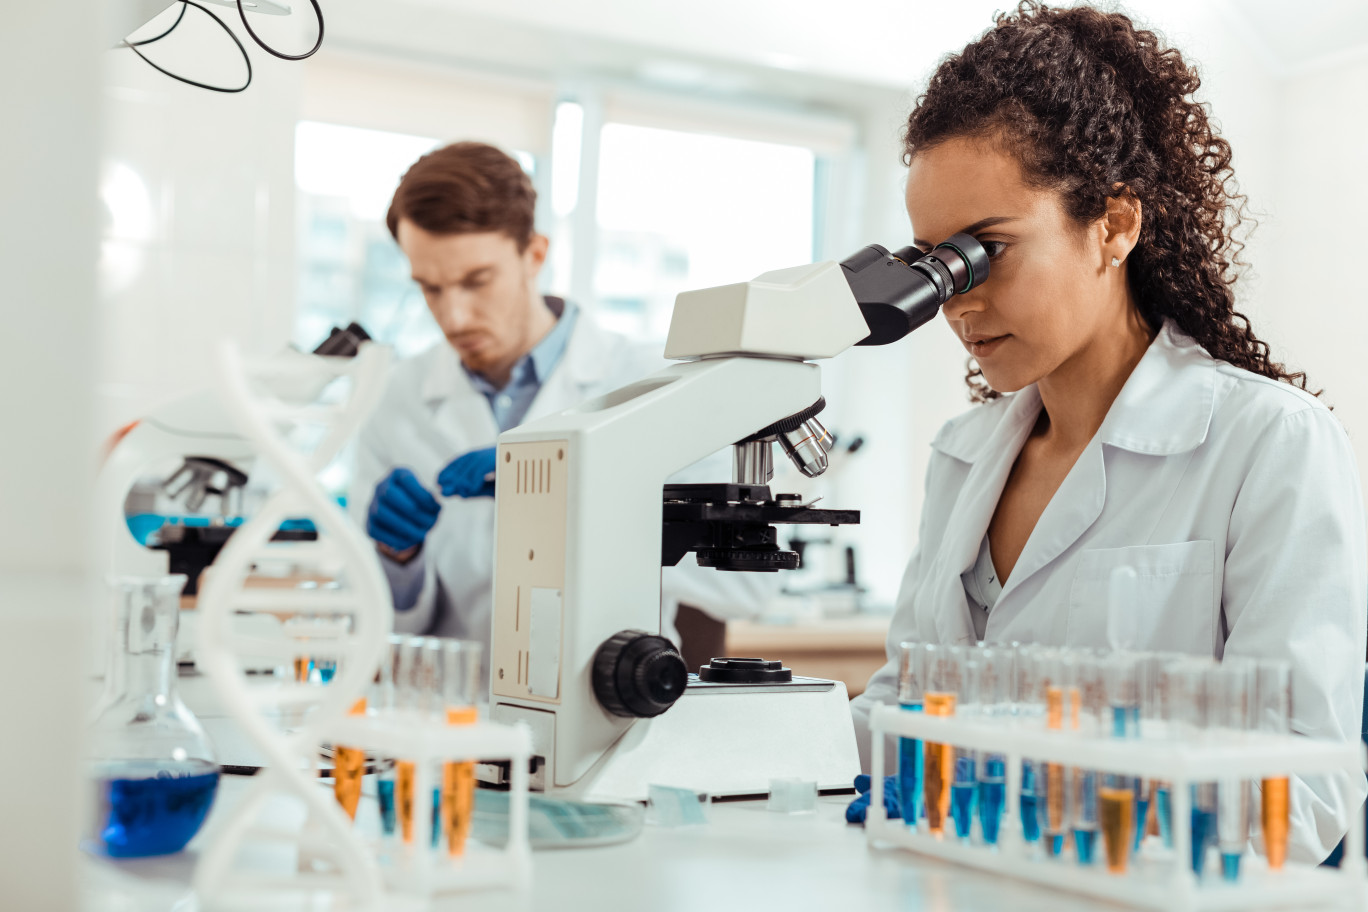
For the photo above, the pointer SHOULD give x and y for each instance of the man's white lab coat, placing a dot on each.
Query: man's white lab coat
(431, 413)
(1235, 501)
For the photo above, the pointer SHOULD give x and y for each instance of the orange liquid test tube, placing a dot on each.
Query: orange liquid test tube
(458, 787)
(349, 766)
(937, 765)
(404, 775)
(1118, 826)
(1275, 821)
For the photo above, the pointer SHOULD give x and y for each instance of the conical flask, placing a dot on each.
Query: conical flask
(153, 767)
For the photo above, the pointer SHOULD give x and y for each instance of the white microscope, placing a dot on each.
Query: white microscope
(585, 521)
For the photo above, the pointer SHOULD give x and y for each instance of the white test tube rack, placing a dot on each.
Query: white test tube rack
(416, 868)
(1154, 880)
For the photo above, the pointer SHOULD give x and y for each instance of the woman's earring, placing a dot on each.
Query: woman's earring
(1116, 261)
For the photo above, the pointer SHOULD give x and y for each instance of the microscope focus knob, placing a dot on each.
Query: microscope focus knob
(638, 674)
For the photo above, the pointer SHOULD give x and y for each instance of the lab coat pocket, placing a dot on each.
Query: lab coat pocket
(1156, 597)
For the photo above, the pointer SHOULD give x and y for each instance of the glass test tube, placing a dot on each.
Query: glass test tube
(1187, 717)
(1229, 687)
(1272, 714)
(1172, 699)
(349, 765)
(384, 695)
(1118, 805)
(1055, 671)
(964, 783)
(460, 691)
(942, 691)
(1083, 810)
(411, 699)
(994, 693)
(1028, 705)
(1151, 726)
(911, 690)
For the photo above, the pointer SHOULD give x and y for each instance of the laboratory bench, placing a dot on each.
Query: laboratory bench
(744, 857)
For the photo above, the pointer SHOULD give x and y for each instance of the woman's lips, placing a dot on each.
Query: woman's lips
(984, 347)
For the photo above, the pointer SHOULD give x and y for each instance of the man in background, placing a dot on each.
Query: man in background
(423, 487)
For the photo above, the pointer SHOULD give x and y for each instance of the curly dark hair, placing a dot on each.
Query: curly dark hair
(1088, 103)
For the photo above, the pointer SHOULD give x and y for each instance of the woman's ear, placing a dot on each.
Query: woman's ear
(1120, 226)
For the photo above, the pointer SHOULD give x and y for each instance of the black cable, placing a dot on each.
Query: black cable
(318, 14)
(163, 34)
(199, 85)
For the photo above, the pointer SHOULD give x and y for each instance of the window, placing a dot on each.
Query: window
(680, 210)
(350, 267)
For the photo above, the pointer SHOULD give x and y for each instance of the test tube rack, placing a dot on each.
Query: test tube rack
(1165, 882)
(275, 406)
(415, 868)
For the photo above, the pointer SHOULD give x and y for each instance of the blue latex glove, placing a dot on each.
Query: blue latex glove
(471, 475)
(402, 511)
(859, 808)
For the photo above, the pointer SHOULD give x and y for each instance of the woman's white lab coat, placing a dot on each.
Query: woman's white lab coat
(431, 413)
(1230, 503)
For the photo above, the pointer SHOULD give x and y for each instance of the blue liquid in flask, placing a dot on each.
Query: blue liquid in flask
(152, 807)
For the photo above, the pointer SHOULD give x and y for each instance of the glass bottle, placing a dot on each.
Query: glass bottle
(153, 767)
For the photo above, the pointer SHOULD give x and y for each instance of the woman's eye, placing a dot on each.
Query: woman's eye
(993, 248)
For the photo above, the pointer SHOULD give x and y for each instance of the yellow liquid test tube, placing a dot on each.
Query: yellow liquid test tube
(938, 765)
(349, 765)
(458, 787)
(1118, 826)
(1275, 821)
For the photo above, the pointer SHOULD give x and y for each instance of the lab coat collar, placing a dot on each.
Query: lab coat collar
(1166, 405)
(1164, 408)
(446, 376)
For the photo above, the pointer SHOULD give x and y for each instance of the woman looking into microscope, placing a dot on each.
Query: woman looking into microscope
(1128, 418)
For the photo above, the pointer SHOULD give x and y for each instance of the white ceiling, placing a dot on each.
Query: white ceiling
(800, 48)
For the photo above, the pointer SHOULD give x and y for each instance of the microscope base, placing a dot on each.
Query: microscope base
(730, 741)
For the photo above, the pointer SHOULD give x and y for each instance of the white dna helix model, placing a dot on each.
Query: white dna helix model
(275, 405)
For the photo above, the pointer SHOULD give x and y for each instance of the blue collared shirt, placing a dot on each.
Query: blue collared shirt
(511, 403)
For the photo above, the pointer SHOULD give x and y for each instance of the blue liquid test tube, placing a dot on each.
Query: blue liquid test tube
(910, 774)
(1030, 821)
(1084, 806)
(963, 792)
(992, 795)
(911, 694)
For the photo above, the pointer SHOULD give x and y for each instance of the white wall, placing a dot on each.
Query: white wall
(214, 258)
(47, 253)
(1314, 300)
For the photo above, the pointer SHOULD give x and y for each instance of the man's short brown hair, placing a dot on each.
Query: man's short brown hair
(464, 188)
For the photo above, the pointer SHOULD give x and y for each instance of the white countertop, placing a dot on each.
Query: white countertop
(744, 857)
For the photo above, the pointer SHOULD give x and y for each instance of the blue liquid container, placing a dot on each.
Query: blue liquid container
(1141, 813)
(1030, 823)
(992, 795)
(1230, 867)
(1163, 809)
(326, 669)
(384, 794)
(1125, 721)
(148, 807)
(910, 774)
(436, 817)
(1085, 842)
(962, 797)
(1203, 835)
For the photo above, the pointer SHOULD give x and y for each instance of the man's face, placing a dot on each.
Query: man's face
(480, 289)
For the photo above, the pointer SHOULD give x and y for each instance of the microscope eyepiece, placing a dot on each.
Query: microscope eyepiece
(897, 292)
